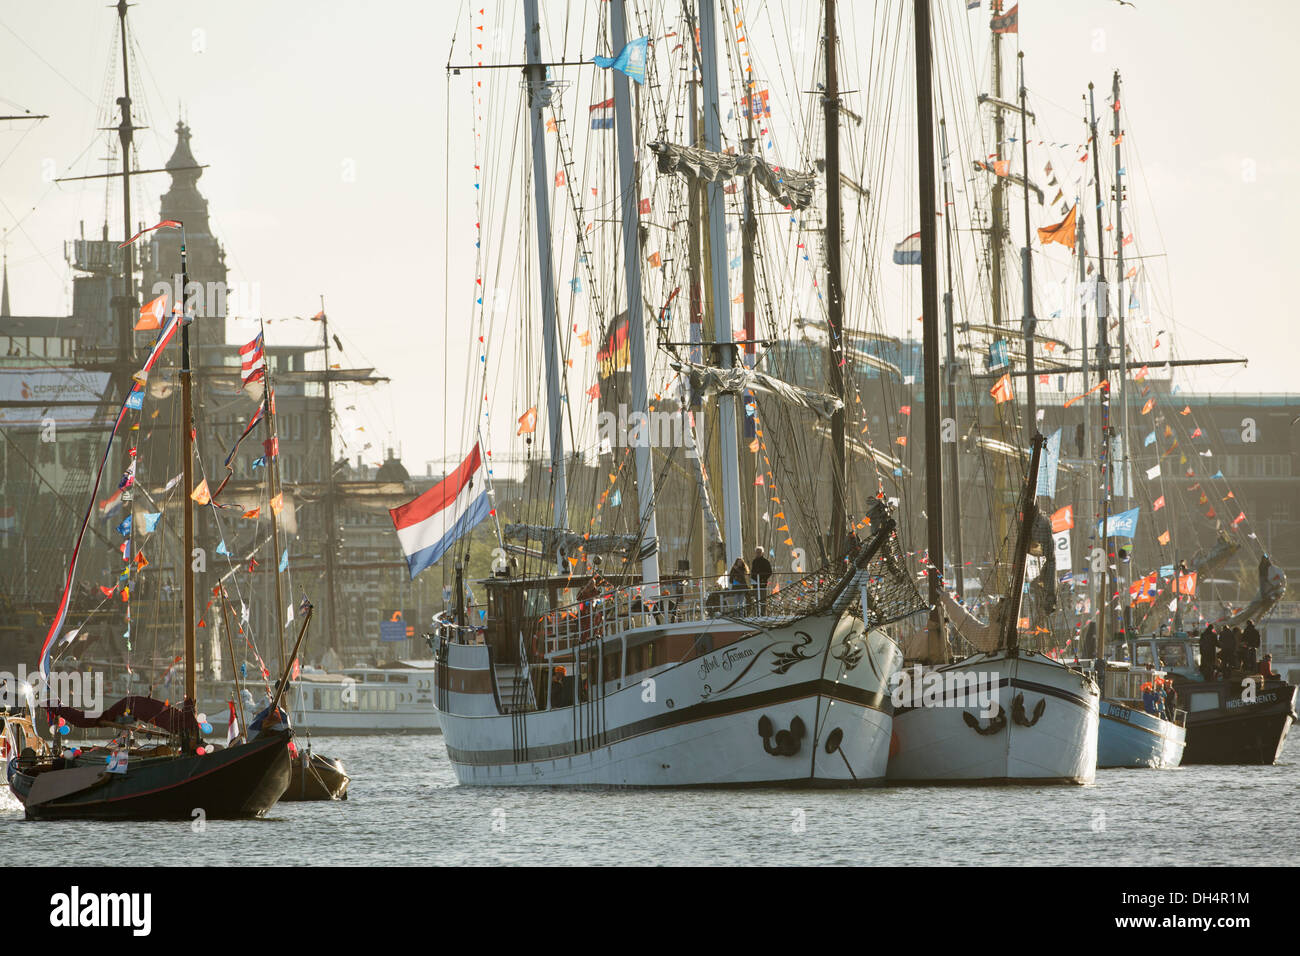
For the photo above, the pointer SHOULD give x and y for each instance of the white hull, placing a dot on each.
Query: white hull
(1050, 738)
(698, 723)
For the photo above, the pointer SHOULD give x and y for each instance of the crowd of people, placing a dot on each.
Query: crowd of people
(1159, 697)
(1233, 652)
(754, 576)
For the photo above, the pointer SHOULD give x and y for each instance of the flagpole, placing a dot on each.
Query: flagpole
(1103, 371)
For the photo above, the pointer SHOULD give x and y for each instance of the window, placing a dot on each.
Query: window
(1289, 641)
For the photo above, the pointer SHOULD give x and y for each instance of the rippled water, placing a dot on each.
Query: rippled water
(406, 809)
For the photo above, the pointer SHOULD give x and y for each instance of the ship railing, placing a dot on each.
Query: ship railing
(680, 600)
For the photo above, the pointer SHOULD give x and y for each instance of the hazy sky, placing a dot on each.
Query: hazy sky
(287, 98)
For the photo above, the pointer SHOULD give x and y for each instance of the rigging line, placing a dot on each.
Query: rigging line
(55, 70)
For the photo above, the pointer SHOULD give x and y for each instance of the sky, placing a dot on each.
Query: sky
(336, 169)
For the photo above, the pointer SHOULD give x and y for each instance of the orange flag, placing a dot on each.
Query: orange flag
(1062, 232)
(151, 314)
(277, 503)
(528, 421)
(253, 513)
(1001, 390)
(201, 493)
(1063, 520)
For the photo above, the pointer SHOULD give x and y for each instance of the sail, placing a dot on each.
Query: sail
(556, 539)
(707, 379)
(787, 186)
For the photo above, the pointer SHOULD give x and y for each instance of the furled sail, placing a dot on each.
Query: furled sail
(554, 540)
(707, 379)
(787, 186)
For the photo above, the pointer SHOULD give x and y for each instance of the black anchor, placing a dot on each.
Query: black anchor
(785, 743)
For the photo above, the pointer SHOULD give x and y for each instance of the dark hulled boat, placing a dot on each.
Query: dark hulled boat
(1240, 721)
(245, 780)
(314, 776)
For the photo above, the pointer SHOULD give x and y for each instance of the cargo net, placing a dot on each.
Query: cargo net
(878, 564)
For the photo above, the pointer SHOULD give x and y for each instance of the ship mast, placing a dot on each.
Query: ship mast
(835, 288)
(1026, 267)
(187, 482)
(1103, 370)
(937, 649)
(997, 237)
(331, 521)
(1125, 473)
(954, 468)
(731, 504)
(645, 484)
(126, 133)
(272, 484)
(539, 96)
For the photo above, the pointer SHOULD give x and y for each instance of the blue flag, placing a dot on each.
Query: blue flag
(151, 519)
(1047, 466)
(1122, 525)
(259, 462)
(135, 401)
(999, 354)
(616, 498)
(124, 528)
(221, 549)
(630, 62)
(284, 559)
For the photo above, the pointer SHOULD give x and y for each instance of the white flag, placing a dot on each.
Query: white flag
(1153, 472)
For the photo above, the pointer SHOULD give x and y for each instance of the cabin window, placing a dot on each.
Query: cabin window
(1203, 700)
(1173, 655)
(612, 662)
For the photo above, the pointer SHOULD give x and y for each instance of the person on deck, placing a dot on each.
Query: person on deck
(760, 569)
(1171, 699)
(1209, 651)
(1266, 668)
(1249, 647)
(1149, 703)
(1229, 644)
(738, 576)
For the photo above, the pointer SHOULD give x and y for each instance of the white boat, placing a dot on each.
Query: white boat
(678, 693)
(395, 699)
(1044, 729)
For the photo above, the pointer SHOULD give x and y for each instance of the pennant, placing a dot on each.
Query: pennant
(251, 513)
(252, 361)
(165, 224)
(151, 314)
(201, 494)
(277, 503)
(1063, 232)
(1158, 504)
(1001, 390)
(151, 519)
(284, 561)
(1163, 538)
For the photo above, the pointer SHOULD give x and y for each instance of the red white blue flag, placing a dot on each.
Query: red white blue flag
(252, 361)
(602, 114)
(428, 526)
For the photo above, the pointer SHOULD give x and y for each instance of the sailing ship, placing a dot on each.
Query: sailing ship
(1050, 735)
(176, 770)
(650, 680)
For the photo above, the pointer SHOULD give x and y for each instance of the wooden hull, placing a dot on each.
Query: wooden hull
(1051, 737)
(316, 777)
(803, 705)
(241, 781)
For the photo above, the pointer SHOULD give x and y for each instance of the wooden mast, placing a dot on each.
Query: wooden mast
(272, 448)
(937, 647)
(1103, 370)
(331, 514)
(1027, 272)
(835, 286)
(187, 482)
(954, 467)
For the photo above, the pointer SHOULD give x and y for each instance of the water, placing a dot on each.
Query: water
(405, 809)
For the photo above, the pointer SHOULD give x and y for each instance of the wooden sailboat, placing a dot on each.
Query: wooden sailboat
(651, 680)
(181, 773)
(940, 734)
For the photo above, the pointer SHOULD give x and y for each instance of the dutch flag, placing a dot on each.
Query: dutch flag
(602, 114)
(908, 252)
(428, 526)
